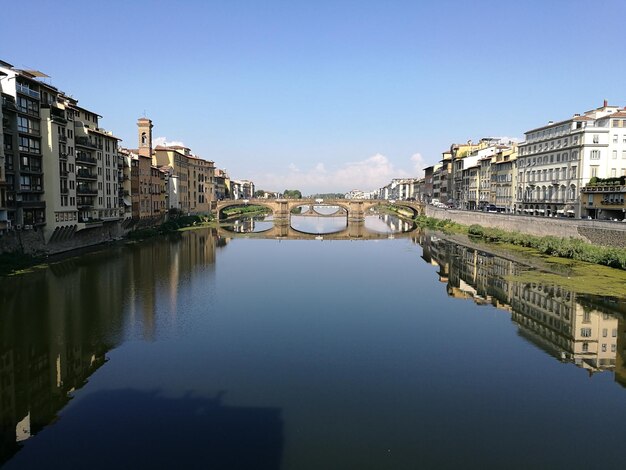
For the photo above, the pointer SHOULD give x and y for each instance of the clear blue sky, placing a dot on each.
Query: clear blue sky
(324, 95)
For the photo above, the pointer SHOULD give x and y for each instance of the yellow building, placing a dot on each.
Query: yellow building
(605, 198)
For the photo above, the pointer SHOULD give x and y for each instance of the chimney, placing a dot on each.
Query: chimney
(606, 103)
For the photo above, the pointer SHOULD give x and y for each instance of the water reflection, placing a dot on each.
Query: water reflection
(585, 330)
(215, 435)
(307, 353)
(322, 220)
(58, 324)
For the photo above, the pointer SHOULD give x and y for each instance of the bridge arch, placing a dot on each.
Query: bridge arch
(226, 204)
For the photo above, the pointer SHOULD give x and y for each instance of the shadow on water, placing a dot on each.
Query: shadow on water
(135, 429)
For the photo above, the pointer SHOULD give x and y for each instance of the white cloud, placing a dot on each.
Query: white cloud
(165, 143)
(368, 174)
(418, 164)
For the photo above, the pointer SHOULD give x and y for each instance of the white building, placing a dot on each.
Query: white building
(556, 160)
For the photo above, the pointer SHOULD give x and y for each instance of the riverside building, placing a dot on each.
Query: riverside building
(559, 159)
(61, 167)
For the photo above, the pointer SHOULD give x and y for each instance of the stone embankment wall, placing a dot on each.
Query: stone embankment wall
(32, 242)
(597, 232)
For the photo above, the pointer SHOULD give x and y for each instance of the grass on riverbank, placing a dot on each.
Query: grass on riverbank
(443, 225)
(555, 247)
(13, 263)
(570, 248)
(239, 210)
(172, 225)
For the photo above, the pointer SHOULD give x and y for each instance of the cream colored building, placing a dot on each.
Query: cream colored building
(558, 159)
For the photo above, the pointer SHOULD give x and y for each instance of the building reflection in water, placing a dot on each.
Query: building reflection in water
(585, 330)
(59, 323)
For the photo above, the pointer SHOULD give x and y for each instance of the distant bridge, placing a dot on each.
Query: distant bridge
(355, 209)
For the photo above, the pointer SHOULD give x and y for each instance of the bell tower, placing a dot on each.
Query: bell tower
(144, 130)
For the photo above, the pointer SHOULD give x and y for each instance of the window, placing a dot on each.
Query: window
(614, 138)
(614, 333)
(585, 347)
(27, 106)
(594, 171)
(596, 138)
(603, 347)
(26, 125)
(29, 145)
(585, 332)
(605, 332)
(613, 172)
(595, 155)
(613, 348)
(614, 154)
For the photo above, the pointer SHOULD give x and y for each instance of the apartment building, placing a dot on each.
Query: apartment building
(456, 160)
(23, 170)
(560, 158)
(503, 179)
(61, 167)
(124, 185)
(4, 219)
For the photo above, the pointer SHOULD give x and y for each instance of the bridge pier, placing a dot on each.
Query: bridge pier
(356, 213)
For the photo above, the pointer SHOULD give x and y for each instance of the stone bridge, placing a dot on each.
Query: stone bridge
(355, 209)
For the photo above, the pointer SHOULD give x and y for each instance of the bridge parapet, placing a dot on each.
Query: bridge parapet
(356, 209)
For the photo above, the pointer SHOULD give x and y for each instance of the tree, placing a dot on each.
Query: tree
(292, 194)
(259, 193)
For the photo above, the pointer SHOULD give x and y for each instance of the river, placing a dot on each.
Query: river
(201, 350)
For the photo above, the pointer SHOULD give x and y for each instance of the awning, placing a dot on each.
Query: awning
(541, 211)
(570, 211)
(560, 211)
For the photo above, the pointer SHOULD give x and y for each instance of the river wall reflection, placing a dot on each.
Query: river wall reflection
(588, 331)
(57, 324)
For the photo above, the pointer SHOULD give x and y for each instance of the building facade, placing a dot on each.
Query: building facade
(559, 159)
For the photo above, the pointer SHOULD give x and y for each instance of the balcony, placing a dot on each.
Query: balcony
(604, 189)
(86, 175)
(62, 156)
(29, 131)
(82, 158)
(85, 191)
(63, 173)
(8, 103)
(65, 191)
(62, 138)
(85, 142)
(30, 169)
(25, 90)
(58, 115)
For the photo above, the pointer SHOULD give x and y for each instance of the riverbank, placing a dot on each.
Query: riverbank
(578, 276)
(595, 232)
(245, 210)
(550, 246)
(13, 263)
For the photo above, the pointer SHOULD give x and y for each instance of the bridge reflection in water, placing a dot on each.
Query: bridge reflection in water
(373, 227)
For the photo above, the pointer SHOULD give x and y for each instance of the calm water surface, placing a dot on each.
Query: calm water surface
(203, 352)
